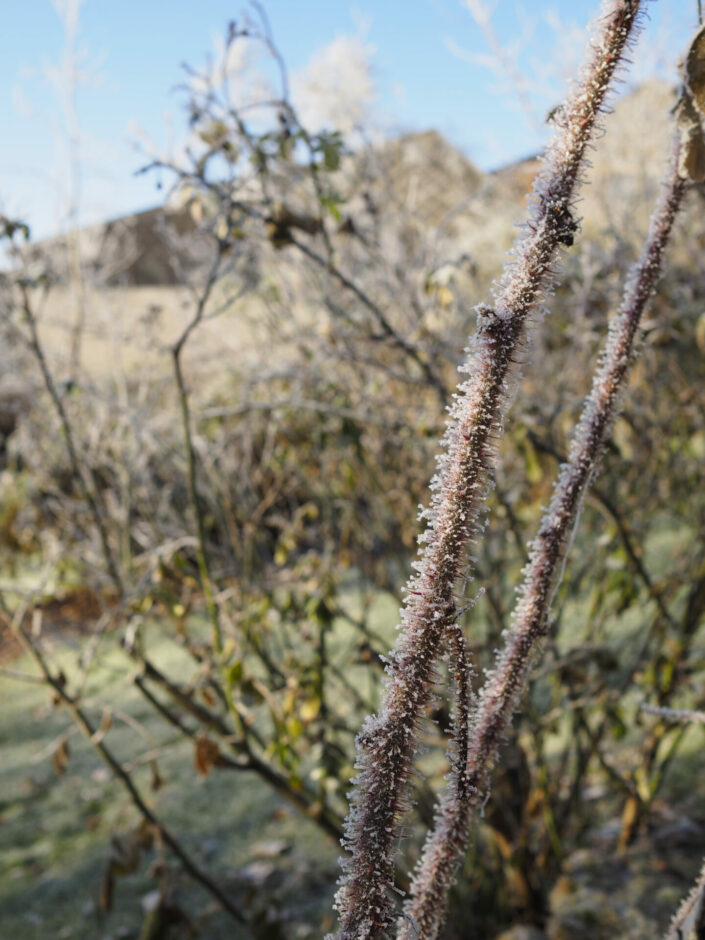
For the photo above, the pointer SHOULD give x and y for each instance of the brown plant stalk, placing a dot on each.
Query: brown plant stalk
(425, 909)
(387, 742)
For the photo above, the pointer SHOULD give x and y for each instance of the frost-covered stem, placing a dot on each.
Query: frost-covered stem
(676, 715)
(503, 686)
(462, 673)
(689, 920)
(387, 742)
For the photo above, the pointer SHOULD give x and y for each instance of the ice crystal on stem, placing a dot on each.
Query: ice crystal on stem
(503, 686)
(387, 742)
(689, 921)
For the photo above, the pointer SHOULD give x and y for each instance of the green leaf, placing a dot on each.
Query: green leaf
(330, 204)
(235, 673)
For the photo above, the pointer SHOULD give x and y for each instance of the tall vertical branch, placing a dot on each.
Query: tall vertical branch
(190, 451)
(83, 477)
(387, 742)
(503, 685)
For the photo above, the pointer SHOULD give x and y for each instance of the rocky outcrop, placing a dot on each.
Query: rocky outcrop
(159, 246)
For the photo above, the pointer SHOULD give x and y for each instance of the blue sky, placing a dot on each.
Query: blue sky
(430, 63)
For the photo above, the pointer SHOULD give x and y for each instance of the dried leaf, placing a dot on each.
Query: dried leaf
(157, 781)
(124, 854)
(161, 915)
(105, 726)
(206, 755)
(60, 757)
(107, 885)
(143, 835)
(61, 682)
(158, 869)
(691, 164)
(695, 70)
(272, 848)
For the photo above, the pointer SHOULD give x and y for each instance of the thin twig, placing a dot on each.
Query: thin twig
(96, 740)
(88, 491)
(678, 715)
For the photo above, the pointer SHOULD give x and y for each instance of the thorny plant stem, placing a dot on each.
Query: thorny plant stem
(504, 684)
(689, 920)
(387, 742)
(96, 739)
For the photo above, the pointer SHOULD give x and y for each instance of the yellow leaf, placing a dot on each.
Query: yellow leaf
(221, 228)
(196, 210)
(214, 133)
(310, 709)
(294, 728)
(700, 332)
(445, 296)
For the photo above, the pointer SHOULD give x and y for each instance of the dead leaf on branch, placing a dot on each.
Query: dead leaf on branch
(107, 887)
(56, 699)
(695, 70)
(124, 858)
(60, 757)
(206, 755)
(157, 781)
(690, 110)
(691, 163)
